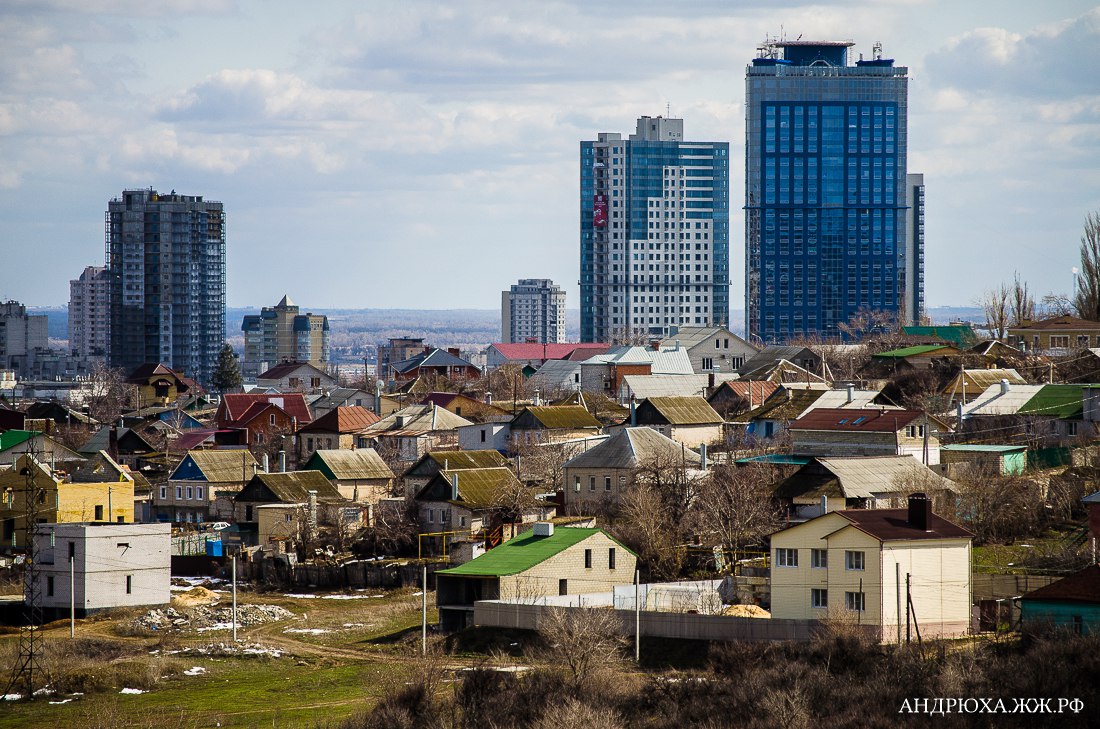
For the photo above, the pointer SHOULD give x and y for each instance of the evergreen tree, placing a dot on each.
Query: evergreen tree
(227, 373)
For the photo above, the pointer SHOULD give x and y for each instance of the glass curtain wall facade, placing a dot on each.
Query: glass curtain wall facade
(825, 198)
(654, 232)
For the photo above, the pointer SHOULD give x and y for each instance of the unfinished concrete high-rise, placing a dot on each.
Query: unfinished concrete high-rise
(166, 258)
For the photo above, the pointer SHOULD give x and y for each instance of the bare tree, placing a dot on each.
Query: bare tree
(109, 395)
(647, 527)
(998, 508)
(995, 308)
(1023, 302)
(735, 505)
(572, 712)
(1056, 304)
(1087, 296)
(588, 640)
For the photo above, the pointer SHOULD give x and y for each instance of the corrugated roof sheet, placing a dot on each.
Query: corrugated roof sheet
(784, 405)
(562, 417)
(961, 335)
(685, 410)
(861, 477)
(522, 553)
(1083, 586)
(294, 487)
(12, 438)
(856, 420)
(418, 418)
(995, 402)
(466, 459)
(1060, 401)
(918, 350)
(644, 387)
(224, 465)
(285, 369)
(342, 419)
(982, 448)
(361, 463)
(1059, 323)
(631, 447)
(524, 351)
(481, 487)
(977, 380)
(889, 525)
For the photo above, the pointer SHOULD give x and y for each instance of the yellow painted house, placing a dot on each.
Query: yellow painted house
(854, 565)
(81, 496)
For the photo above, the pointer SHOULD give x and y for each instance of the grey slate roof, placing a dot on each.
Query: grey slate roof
(631, 447)
(361, 463)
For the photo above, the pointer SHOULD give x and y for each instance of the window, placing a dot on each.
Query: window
(198, 493)
(72, 550)
(309, 444)
(129, 584)
(163, 492)
(853, 560)
(179, 492)
(483, 436)
(856, 601)
(591, 483)
(288, 517)
(190, 493)
(610, 558)
(708, 363)
(99, 512)
(49, 585)
(1071, 427)
(462, 521)
(1059, 341)
(606, 483)
(577, 483)
(819, 558)
(271, 419)
(786, 557)
(563, 587)
(315, 382)
(588, 559)
(819, 598)
(431, 515)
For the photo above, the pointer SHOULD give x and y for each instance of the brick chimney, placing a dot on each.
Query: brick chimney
(920, 511)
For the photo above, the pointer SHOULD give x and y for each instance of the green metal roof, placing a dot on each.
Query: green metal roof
(961, 335)
(1060, 401)
(777, 458)
(913, 351)
(983, 448)
(11, 438)
(522, 553)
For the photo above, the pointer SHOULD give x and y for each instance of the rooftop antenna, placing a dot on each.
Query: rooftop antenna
(876, 51)
(668, 110)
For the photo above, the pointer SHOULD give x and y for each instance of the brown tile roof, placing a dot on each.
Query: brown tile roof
(234, 405)
(888, 525)
(867, 420)
(342, 419)
(1083, 586)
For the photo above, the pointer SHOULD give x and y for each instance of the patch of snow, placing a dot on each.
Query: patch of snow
(131, 691)
(355, 625)
(194, 671)
(300, 597)
(62, 701)
(215, 626)
(308, 631)
(12, 697)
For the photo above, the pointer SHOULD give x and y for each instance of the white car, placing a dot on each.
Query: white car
(219, 525)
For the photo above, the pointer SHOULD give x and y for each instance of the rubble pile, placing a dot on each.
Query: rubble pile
(210, 617)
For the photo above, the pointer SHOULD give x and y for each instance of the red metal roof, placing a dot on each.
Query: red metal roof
(523, 351)
(1083, 586)
(349, 419)
(893, 524)
(865, 420)
(234, 406)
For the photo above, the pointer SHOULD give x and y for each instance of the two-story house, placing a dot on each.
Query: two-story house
(193, 486)
(868, 432)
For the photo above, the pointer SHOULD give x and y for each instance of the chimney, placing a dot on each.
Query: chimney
(112, 442)
(454, 487)
(703, 455)
(1004, 387)
(378, 387)
(543, 529)
(282, 461)
(824, 504)
(488, 398)
(710, 380)
(920, 511)
(851, 392)
(536, 401)
(399, 421)
(267, 464)
(453, 350)
(312, 511)
(633, 411)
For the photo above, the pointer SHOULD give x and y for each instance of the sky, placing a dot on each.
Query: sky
(414, 154)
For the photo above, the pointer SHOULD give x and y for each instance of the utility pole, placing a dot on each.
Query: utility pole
(897, 594)
(908, 602)
(424, 612)
(234, 597)
(637, 617)
(72, 597)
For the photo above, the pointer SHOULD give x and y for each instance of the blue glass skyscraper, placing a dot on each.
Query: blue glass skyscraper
(654, 230)
(826, 195)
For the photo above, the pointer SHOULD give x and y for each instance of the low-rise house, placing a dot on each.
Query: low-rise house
(1035, 412)
(688, 420)
(734, 397)
(711, 349)
(772, 359)
(125, 445)
(338, 429)
(434, 362)
(604, 373)
(548, 560)
(552, 424)
(1055, 335)
(917, 357)
(15, 443)
(557, 375)
(431, 464)
(862, 482)
(192, 489)
(296, 377)
(64, 498)
(1071, 604)
(476, 501)
(108, 565)
(960, 334)
(485, 436)
(292, 488)
(413, 431)
(158, 384)
(234, 407)
(359, 475)
(600, 476)
(329, 400)
(537, 354)
(467, 407)
(643, 387)
(969, 384)
(856, 564)
(786, 404)
(868, 432)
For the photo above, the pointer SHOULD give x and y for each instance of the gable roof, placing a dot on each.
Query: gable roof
(342, 419)
(945, 350)
(773, 354)
(285, 369)
(758, 391)
(887, 525)
(418, 419)
(960, 335)
(994, 402)
(1059, 323)
(785, 404)
(221, 465)
(234, 405)
(336, 396)
(1059, 401)
(141, 374)
(860, 477)
(292, 487)
(435, 461)
(556, 417)
(344, 465)
(780, 372)
(477, 487)
(630, 448)
(690, 336)
(524, 351)
(255, 410)
(857, 420)
(643, 387)
(522, 553)
(12, 438)
(434, 358)
(977, 380)
(683, 410)
(1083, 586)
(101, 440)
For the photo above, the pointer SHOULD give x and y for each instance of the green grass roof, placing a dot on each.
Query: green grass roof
(521, 553)
(1060, 401)
(913, 351)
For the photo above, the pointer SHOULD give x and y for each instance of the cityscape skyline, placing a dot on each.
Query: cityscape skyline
(1005, 133)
